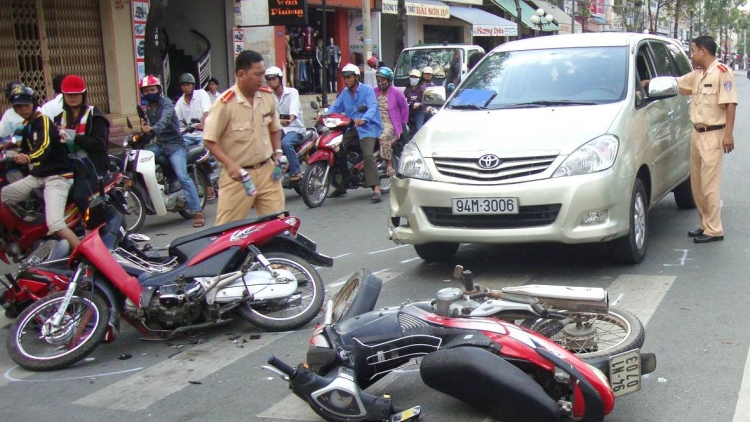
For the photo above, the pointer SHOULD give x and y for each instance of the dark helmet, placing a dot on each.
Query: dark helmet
(9, 87)
(186, 78)
(22, 94)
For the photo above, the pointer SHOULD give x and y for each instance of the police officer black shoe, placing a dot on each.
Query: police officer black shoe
(695, 233)
(707, 238)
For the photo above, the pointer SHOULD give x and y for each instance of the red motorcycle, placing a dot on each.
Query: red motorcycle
(324, 164)
(303, 150)
(571, 356)
(23, 231)
(207, 278)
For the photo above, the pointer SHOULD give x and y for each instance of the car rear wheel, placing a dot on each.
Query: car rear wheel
(631, 248)
(683, 196)
(436, 252)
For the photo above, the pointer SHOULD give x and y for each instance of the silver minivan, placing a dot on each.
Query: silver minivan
(549, 139)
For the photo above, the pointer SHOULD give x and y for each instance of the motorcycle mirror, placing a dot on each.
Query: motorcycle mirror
(140, 112)
(130, 125)
(195, 120)
(314, 105)
(317, 99)
(362, 108)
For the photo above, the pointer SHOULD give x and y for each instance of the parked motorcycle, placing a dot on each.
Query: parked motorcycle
(147, 189)
(323, 166)
(23, 230)
(207, 277)
(570, 355)
(303, 151)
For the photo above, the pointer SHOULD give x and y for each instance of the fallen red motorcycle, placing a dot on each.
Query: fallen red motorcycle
(207, 278)
(324, 164)
(571, 356)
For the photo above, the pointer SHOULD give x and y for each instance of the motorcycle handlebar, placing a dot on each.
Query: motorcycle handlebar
(281, 366)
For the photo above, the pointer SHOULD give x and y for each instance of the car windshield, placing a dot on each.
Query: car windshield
(439, 59)
(542, 78)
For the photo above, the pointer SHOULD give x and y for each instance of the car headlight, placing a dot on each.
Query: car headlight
(596, 155)
(412, 164)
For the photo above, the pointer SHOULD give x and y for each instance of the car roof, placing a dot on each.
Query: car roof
(600, 39)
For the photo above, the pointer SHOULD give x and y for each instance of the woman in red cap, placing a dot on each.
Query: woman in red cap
(85, 130)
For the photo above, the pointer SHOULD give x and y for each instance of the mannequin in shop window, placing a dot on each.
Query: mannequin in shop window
(334, 58)
(289, 63)
(308, 35)
(319, 60)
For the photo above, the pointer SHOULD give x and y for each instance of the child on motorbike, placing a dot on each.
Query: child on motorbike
(162, 123)
(85, 130)
(48, 162)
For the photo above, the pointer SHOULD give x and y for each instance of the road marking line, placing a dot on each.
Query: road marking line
(24, 374)
(410, 260)
(640, 294)
(389, 249)
(341, 256)
(142, 390)
(742, 410)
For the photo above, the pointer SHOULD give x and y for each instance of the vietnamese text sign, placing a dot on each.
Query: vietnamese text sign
(492, 31)
(287, 12)
(418, 9)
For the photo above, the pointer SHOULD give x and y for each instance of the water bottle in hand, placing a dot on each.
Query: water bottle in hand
(277, 173)
(248, 182)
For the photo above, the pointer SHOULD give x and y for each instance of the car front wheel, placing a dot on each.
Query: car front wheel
(631, 248)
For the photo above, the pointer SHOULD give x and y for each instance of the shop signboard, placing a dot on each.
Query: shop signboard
(418, 9)
(356, 33)
(596, 8)
(287, 12)
(493, 31)
(261, 38)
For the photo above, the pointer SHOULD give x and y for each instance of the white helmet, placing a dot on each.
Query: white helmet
(274, 71)
(427, 69)
(349, 69)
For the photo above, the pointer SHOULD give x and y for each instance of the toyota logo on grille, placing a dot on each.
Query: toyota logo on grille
(489, 161)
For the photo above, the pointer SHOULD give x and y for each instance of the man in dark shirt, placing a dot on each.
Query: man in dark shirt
(48, 163)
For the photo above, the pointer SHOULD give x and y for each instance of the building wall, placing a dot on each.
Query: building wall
(119, 57)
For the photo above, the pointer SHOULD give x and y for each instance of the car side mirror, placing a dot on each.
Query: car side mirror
(434, 96)
(663, 87)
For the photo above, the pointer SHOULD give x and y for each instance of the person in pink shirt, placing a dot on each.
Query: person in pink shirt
(394, 112)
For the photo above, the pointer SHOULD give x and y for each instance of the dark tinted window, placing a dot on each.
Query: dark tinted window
(683, 63)
(663, 60)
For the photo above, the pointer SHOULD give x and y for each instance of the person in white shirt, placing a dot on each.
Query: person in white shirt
(212, 88)
(54, 107)
(11, 120)
(290, 117)
(193, 104)
(372, 68)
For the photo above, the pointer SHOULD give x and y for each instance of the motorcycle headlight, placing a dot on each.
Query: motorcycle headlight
(332, 122)
(412, 164)
(596, 155)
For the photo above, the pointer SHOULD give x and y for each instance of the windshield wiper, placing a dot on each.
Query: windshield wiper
(467, 107)
(549, 103)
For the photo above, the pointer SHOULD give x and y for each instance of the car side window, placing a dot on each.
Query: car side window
(680, 59)
(644, 71)
(663, 63)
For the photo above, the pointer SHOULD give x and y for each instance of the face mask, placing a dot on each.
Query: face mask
(413, 81)
(383, 85)
(152, 97)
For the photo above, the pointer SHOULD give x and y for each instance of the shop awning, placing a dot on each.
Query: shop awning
(526, 13)
(422, 8)
(599, 20)
(561, 18)
(484, 24)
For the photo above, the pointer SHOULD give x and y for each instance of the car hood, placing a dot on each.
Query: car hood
(517, 132)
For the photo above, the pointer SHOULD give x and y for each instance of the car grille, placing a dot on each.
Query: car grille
(528, 216)
(510, 168)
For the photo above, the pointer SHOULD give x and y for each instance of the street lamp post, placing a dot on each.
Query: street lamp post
(542, 18)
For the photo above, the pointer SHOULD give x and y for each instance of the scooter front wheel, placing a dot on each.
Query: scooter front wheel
(295, 310)
(36, 344)
(315, 184)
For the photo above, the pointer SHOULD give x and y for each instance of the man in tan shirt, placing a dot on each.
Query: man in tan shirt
(712, 112)
(243, 132)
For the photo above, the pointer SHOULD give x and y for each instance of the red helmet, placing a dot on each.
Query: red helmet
(149, 81)
(372, 61)
(73, 84)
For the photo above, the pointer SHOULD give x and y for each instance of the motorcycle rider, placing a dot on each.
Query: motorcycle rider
(89, 139)
(10, 120)
(414, 93)
(193, 104)
(48, 162)
(291, 119)
(394, 114)
(427, 77)
(162, 123)
(368, 127)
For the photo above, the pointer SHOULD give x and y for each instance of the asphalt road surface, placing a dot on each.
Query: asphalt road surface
(692, 299)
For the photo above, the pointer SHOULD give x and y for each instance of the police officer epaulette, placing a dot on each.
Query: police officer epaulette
(266, 89)
(225, 97)
(722, 68)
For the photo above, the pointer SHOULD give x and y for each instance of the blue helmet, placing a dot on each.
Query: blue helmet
(385, 72)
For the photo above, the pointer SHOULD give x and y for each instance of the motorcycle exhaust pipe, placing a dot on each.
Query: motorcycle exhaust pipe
(572, 299)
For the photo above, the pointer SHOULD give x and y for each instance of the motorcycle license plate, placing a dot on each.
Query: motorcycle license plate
(485, 206)
(625, 372)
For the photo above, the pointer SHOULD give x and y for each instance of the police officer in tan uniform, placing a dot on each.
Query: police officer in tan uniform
(712, 112)
(243, 132)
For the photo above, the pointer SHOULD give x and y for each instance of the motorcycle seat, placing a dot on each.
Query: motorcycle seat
(308, 135)
(217, 230)
(195, 154)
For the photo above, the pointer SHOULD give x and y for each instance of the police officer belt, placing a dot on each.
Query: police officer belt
(704, 128)
(256, 166)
